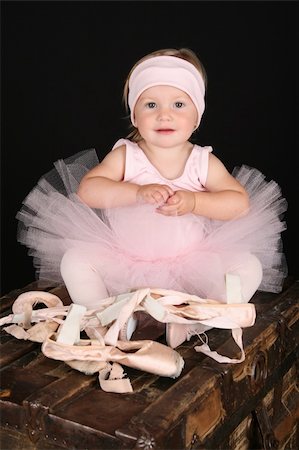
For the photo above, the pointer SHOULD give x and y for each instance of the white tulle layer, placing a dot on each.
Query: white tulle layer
(137, 247)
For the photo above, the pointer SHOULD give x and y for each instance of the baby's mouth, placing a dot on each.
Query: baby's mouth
(165, 130)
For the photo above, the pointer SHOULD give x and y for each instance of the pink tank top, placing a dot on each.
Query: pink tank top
(146, 235)
(140, 170)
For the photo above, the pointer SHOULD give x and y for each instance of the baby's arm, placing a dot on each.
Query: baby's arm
(224, 199)
(103, 186)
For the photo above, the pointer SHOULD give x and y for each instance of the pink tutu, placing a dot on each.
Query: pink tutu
(137, 247)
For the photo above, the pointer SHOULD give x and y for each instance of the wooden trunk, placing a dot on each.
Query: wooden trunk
(253, 405)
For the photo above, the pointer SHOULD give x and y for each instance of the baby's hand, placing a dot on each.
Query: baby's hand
(154, 193)
(182, 202)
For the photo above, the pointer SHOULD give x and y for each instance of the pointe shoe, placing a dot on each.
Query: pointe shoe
(176, 333)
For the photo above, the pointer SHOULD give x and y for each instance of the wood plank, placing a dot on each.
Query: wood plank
(12, 350)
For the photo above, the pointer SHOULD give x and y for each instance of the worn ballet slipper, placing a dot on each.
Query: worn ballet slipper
(33, 298)
(25, 315)
(227, 316)
(22, 308)
(149, 356)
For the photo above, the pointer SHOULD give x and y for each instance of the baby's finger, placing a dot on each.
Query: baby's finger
(169, 191)
(158, 197)
(164, 194)
(173, 200)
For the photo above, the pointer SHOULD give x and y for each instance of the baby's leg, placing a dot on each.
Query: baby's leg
(250, 272)
(81, 275)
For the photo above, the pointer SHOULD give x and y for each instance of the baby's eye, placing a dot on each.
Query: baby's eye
(151, 105)
(179, 104)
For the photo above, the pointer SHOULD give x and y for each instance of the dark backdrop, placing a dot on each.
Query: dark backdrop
(63, 69)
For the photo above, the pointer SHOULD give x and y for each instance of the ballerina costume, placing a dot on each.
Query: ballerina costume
(127, 248)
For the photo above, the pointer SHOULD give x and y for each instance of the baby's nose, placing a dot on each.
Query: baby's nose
(164, 113)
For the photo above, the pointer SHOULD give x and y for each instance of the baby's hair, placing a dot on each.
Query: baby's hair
(183, 53)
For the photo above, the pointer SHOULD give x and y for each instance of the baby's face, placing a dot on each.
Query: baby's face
(165, 116)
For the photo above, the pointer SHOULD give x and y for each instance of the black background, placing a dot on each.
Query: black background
(63, 70)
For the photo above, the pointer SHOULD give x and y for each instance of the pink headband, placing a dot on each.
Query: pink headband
(167, 71)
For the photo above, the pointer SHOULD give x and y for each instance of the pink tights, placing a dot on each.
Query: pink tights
(81, 273)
